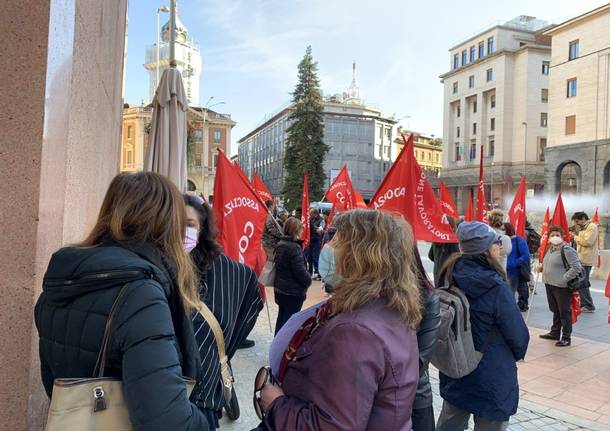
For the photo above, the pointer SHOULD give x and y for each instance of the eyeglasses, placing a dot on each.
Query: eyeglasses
(498, 242)
(263, 377)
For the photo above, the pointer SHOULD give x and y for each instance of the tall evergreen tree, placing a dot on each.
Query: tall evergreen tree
(305, 147)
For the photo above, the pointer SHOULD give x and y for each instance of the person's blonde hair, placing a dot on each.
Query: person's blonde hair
(495, 218)
(147, 207)
(292, 226)
(375, 257)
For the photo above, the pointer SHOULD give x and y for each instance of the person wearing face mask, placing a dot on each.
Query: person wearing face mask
(496, 220)
(555, 276)
(230, 290)
(586, 236)
(491, 392)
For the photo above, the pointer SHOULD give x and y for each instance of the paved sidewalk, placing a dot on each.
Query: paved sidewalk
(562, 389)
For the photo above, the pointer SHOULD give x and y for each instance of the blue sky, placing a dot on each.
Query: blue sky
(251, 49)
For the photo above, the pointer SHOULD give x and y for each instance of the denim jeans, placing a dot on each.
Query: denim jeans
(585, 294)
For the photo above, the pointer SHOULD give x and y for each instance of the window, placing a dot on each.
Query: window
(129, 129)
(458, 152)
(544, 95)
(429, 157)
(545, 67)
(416, 154)
(456, 61)
(573, 53)
(571, 88)
(455, 88)
(473, 151)
(129, 156)
(458, 131)
(464, 58)
(541, 147)
(459, 111)
(471, 81)
(216, 135)
(472, 53)
(490, 74)
(481, 49)
(570, 124)
(474, 107)
(492, 100)
(437, 158)
(543, 119)
(490, 45)
(474, 128)
(215, 161)
(491, 151)
(492, 124)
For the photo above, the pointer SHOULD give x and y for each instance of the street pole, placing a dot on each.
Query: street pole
(159, 10)
(524, 147)
(172, 31)
(491, 190)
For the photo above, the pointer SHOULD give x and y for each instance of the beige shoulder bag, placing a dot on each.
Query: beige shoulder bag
(87, 404)
(225, 373)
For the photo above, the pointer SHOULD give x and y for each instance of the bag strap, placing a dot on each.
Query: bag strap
(225, 374)
(100, 364)
(566, 265)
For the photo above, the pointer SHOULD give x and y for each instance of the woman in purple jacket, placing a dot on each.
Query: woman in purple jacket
(353, 365)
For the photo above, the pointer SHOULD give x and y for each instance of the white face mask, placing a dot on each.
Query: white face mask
(556, 240)
(190, 239)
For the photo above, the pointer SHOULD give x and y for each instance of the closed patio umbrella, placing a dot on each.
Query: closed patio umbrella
(166, 152)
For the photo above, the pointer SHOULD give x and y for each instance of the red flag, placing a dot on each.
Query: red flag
(595, 221)
(261, 188)
(240, 215)
(544, 236)
(341, 192)
(406, 190)
(447, 201)
(516, 214)
(358, 201)
(575, 306)
(560, 218)
(305, 212)
(481, 204)
(607, 293)
(469, 216)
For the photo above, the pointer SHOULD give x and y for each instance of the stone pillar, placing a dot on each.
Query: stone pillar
(61, 122)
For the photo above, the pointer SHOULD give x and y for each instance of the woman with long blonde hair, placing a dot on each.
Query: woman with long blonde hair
(134, 260)
(353, 364)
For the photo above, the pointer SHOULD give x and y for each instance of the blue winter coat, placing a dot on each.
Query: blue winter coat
(491, 391)
(519, 256)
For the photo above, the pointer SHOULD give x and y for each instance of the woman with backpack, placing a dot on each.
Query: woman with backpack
(491, 392)
(518, 267)
(135, 259)
(560, 265)
(291, 276)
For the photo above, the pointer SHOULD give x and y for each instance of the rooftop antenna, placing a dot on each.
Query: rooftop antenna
(353, 92)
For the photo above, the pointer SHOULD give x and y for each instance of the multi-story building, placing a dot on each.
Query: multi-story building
(496, 95)
(134, 139)
(188, 60)
(428, 151)
(359, 137)
(208, 132)
(578, 153)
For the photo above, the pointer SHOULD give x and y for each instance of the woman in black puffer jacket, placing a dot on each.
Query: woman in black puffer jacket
(291, 276)
(137, 248)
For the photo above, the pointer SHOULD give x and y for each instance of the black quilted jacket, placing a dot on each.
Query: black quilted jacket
(291, 276)
(152, 344)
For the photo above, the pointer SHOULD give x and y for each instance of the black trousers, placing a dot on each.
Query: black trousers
(559, 303)
(585, 294)
(423, 419)
(288, 305)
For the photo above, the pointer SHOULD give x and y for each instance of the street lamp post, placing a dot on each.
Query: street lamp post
(491, 190)
(172, 31)
(159, 10)
(524, 146)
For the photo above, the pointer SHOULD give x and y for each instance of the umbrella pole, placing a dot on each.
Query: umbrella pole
(172, 30)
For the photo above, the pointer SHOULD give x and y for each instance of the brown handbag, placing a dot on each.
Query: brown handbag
(87, 404)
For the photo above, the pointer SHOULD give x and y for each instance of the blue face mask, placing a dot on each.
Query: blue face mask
(327, 266)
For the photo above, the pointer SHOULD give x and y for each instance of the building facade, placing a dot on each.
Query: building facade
(358, 136)
(134, 139)
(428, 151)
(188, 60)
(208, 132)
(578, 153)
(496, 96)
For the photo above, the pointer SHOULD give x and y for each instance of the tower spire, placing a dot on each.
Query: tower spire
(353, 92)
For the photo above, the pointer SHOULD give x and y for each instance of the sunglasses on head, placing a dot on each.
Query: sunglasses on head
(263, 377)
